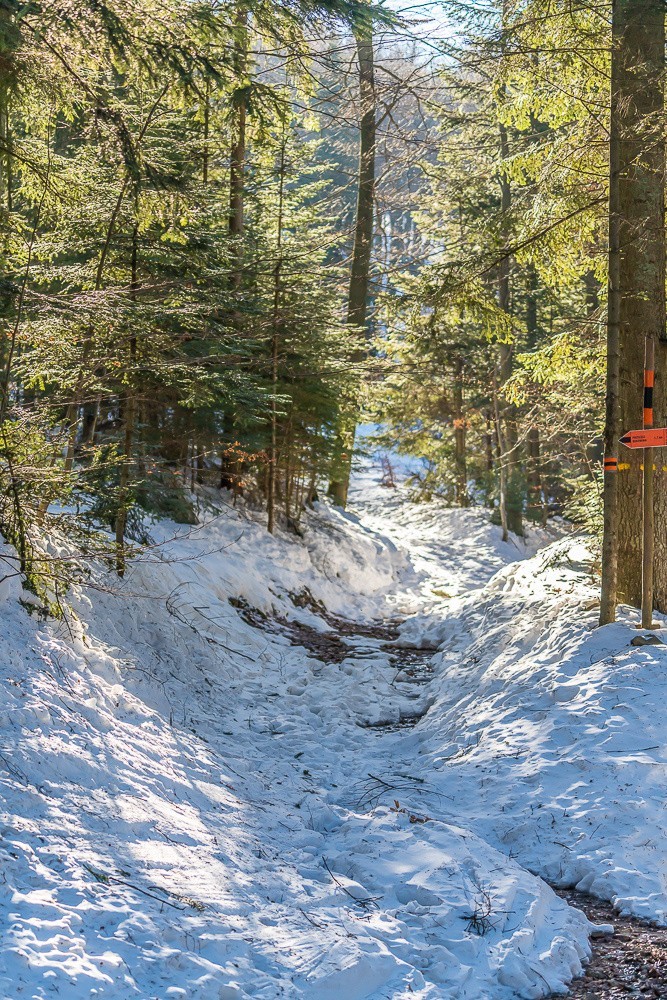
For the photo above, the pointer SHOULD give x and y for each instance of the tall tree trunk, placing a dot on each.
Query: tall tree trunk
(230, 472)
(129, 416)
(592, 286)
(508, 436)
(460, 467)
(609, 585)
(639, 30)
(229, 465)
(275, 347)
(238, 150)
(5, 206)
(90, 416)
(357, 306)
(537, 510)
(502, 460)
(206, 131)
(5, 154)
(512, 496)
(489, 435)
(657, 78)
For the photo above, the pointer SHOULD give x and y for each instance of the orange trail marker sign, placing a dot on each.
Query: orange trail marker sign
(652, 437)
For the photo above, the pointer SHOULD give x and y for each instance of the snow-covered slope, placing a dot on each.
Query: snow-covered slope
(194, 807)
(551, 733)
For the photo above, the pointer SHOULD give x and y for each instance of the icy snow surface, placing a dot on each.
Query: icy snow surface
(193, 807)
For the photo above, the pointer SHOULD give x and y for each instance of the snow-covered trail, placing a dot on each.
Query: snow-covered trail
(195, 807)
(452, 550)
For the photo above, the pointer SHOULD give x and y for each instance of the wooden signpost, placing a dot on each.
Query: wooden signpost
(647, 438)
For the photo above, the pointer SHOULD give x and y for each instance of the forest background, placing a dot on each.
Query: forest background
(232, 232)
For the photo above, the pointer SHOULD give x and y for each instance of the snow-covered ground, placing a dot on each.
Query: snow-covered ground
(194, 807)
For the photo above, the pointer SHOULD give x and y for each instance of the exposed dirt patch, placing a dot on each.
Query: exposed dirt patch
(412, 667)
(326, 646)
(385, 630)
(329, 645)
(632, 962)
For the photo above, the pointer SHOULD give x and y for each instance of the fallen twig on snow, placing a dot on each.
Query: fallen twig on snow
(362, 901)
(107, 879)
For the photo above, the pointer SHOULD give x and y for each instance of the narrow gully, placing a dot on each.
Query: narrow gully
(631, 962)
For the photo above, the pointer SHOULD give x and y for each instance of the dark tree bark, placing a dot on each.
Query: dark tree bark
(501, 452)
(637, 78)
(357, 307)
(89, 418)
(537, 509)
(489, 442)
(230, 472)
(129, 418)
(238, 150)
(272, 478)
(206, 131)
(511, 497)
(460, 464)
(363, 233)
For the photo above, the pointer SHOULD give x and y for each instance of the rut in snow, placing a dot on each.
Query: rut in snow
(631, 962)
(344, 640)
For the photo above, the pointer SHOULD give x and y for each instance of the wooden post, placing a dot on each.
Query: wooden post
(647, 516)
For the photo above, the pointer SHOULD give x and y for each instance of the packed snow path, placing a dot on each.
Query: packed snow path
(200, 803)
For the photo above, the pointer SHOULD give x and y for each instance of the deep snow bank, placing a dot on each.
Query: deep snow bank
(550, 734)
(192, 807)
